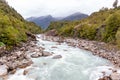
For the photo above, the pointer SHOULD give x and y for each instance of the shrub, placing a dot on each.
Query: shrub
(66, 31)
(2, 44)
(112, 25)
(118, 37)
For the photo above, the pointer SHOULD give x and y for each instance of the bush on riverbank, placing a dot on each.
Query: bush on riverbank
(112, 25)
(2, 44)
(118, 38)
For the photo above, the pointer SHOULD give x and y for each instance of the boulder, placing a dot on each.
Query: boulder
(36, 55)
(3, 70)
(26, 71)
(12, 71)
(12, 65)
(105, 78)
(53, 47)
(44, 53)
(33, 37)
(52, 33)
(57, 57)
(115, 76)
(25, 64)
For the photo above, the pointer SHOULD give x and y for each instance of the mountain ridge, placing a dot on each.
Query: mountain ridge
(44, 21)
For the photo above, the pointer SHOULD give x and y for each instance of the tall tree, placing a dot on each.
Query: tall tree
(115, 4)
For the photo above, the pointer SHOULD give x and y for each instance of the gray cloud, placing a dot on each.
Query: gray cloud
(56, 8)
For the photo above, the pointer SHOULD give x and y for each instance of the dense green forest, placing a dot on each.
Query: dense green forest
(103, 25)
(13, 27)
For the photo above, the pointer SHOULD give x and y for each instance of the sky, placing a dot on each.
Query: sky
(57, 8)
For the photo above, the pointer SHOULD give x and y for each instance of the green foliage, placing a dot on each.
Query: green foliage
(118, 37)
(2, 44)
(87, 32)
(13, 27)
(66, 31)
(112, 25)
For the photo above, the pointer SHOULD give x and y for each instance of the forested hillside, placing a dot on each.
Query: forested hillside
(102, 26)
(13, 27)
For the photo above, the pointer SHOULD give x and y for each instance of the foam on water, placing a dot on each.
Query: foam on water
(75, 64)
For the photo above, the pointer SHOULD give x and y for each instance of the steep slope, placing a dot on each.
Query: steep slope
(102, 26)
(44, 21)
(13, 27)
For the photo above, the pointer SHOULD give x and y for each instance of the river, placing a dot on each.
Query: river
(75, 64)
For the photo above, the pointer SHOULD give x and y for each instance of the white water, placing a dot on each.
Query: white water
(75, 64)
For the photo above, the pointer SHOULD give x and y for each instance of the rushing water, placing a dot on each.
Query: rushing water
(75, 64)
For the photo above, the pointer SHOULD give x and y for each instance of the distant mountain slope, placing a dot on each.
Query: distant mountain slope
(13, 27)
(75, 16)
(44, 21)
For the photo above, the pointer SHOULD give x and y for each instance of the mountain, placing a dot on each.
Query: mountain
(44, 21)
(13, 27)
(75, 16)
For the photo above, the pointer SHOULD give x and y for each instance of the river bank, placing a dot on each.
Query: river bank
(100, 49)
(18, 58)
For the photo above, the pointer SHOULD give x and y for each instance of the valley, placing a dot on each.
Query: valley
(75, 47)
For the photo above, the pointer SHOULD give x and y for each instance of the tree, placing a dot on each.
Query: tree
(115, 4)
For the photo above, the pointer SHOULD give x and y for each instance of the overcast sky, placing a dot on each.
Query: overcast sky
(57, 8)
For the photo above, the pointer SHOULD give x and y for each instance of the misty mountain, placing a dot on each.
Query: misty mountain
(44, 21)
(75, 16)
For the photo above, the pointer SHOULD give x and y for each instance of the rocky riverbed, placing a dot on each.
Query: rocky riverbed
(19, 58)
(100, 49)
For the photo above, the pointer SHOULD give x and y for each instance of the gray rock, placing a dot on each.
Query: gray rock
(36, 55)
(3, 70)
(105, 78)
(115, 76)
(44, 53)
(57, 57)
(53, 47)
